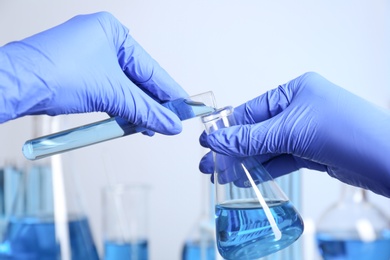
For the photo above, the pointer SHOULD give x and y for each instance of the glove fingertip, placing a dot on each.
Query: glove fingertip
(148, 133)
(174, 129)
(206, 164)
(203, 140)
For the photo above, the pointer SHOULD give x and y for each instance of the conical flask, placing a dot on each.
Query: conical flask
(353, 229)
(254, 218)
(46, 220)
(200, 244)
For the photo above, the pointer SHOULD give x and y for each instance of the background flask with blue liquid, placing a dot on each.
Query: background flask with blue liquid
(353, 229)
(200, 243)
(46, 220)
(117, 250)
(254, 218)
(125, 218)
(10, 177)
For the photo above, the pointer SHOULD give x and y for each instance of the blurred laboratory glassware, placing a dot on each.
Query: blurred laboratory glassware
(10, 178)
(254, 218)
(200, 244)
(184, 108)
(353, 228)
(47, 221)
(125, 218)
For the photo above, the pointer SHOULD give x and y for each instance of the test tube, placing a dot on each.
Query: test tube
(184, 108)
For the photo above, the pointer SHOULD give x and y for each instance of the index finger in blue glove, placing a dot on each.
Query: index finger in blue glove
(145, 72)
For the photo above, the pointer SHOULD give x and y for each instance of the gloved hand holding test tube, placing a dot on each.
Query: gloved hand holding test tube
(184, 108)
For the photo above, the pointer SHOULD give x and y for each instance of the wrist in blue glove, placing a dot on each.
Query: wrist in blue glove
(312, 123)
(89, 63)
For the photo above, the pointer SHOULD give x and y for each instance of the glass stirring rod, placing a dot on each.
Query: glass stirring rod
(184, 108)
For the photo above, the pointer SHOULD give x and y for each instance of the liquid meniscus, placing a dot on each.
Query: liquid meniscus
(114, 250)
(244, 232)
(34, 238)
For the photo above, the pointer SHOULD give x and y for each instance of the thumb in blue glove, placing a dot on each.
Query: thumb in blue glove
(312, 123)
(89, 63)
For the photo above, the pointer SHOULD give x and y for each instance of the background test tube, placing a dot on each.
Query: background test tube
(184, 108)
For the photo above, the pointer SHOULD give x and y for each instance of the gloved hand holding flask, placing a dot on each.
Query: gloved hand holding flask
(311, 123)
(88, 64)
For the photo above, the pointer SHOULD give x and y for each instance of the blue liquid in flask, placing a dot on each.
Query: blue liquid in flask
(244, 232)
(34, 238)
(332, 248)
(127, 251)
(193, 250)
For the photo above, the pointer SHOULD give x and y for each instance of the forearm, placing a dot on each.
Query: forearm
(365, 146)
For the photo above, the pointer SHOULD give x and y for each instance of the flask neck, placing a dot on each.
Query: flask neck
(219, 119)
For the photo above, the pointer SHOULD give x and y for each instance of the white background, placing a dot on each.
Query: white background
(237, 49)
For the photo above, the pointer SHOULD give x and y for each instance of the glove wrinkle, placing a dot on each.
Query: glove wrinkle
(312, 123)
(89, 63)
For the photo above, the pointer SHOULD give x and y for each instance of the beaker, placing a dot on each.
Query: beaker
(200, 244)
(254, 218)
(353, 228)
(125, 213)
(46, 221)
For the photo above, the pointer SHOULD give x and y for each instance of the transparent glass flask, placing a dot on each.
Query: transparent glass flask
(46, 220)
(200, 244)
(254, 218)
(125, 222)
(291, 185)
(353, 228)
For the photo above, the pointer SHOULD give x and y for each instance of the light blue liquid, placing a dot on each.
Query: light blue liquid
(353, 249)
(34, 238)
(126, 251)
(193, 251)
(104, 130)
(244, 232)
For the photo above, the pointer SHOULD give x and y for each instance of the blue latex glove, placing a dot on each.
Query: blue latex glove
(310, 122)
(89, 63)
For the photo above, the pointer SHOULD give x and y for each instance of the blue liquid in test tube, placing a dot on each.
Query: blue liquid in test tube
(184, 108)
